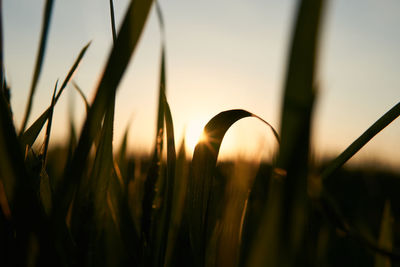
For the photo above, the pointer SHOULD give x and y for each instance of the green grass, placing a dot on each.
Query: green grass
(68, 206)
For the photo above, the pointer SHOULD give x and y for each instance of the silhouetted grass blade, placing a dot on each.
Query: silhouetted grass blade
(48, 129)
(126, 42)
(161, 22)
(170, 182)
(2, 75)
(154, 169)
(30, 135)
(39, 61)
(178, 203)
(114, 31)
(122, 158)
(19, 189)
(281, 239)
(72, 70)
(201, 183)
(45, 191)
(103, 165)
(373, 130)
(79, 90)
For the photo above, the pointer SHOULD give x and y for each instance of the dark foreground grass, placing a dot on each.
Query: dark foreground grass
(65, 206)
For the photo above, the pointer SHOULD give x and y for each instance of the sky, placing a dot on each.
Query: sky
(221, 55)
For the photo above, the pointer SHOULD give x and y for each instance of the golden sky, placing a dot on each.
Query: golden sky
(220, 55)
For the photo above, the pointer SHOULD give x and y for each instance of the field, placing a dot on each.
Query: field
(89, 202)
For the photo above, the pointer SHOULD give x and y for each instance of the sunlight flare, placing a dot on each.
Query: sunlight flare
(194, 134)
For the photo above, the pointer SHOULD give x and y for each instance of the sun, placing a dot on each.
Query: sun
(194, 134)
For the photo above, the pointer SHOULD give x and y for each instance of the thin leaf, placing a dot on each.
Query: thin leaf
(72, 70)
(48, 129)
(178, 203)
(45, 191)
(127, 40)
(170, 182)
(103, 164)
(39, 61)
(2, 75)
(154, 169)
(114, 31)
(76, 86)
(30, 135)
(44, 187)
(203, 168)
(160, 18)
(122, 158)
(361, 141)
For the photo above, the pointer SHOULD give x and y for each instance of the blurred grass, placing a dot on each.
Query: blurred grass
(87, 203)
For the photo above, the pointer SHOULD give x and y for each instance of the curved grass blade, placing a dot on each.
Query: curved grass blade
(203, 168)
(118, 60)
(39, 61)
(30, 135)
(361, 141)
(79, 90)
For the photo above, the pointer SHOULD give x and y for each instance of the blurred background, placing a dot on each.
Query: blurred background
(220, 55)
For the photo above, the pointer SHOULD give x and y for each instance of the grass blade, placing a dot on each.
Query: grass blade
(79, 90)
(281, 239)
(2, 78)
(122, 158)
(126, 42)
(160, 18)
(18, 188)
(103, 165)
(154, 169)
(30, 135)
(114, 31)
(72, 70)
(48, 129)
(39, 61)
(170, 182)
(361, 141)
(44, 186)
(178, 204)
(203, 168)
(45, 193)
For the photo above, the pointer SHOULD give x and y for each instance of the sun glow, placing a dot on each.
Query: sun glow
(194, 134)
